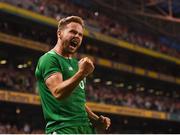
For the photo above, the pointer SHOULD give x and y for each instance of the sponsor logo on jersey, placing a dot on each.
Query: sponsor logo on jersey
(70, 68)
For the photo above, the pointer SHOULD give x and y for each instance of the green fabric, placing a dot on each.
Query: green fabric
(69, 111)
(86, 129)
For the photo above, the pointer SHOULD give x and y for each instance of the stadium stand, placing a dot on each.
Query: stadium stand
(39, 34)
(124, 79)
(100, 23)
(13, 129)
(24, 81)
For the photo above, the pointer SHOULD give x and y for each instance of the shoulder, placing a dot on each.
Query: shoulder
(48, 57)
(48, 60)
(47, 64)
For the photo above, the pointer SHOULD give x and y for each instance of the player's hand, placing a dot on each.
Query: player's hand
(86, 66)
(105, 122)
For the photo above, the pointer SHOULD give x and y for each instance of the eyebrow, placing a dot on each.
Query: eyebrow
(72, 30)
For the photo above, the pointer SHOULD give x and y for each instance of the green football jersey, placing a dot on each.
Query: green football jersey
(66, 112)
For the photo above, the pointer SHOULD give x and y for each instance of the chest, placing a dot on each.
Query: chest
(68, 68)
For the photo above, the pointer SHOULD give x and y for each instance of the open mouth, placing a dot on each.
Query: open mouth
(74, 43)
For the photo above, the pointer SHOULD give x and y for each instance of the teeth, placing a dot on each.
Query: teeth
(75, 41)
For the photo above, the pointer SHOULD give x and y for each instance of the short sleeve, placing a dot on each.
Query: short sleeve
(48, 65)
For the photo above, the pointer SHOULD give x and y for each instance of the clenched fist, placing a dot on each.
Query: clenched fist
(86, 66)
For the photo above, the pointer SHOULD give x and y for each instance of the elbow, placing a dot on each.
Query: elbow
(58, 94)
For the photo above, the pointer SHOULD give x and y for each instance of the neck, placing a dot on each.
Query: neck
(59, 50)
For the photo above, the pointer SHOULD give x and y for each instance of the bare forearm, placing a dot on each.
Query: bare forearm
(91, 115)
(60, 88)
(104, 121)
(65, 88)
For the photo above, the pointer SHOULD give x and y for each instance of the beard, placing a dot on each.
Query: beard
(71, 46)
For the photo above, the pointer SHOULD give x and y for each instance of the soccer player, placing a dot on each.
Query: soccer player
(61, 83)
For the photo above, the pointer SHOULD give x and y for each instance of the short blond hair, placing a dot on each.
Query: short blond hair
(64, 21)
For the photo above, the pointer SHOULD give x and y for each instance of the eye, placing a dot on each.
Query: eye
(80, 34)
(76, 32)
(73, 31)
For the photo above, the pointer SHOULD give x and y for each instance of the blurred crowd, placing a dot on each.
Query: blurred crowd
(7, 128)
(100, 23)
(26, 33)
(133, 99)
(102, 51)
(24, 81)
(134, 60)
(12, 79)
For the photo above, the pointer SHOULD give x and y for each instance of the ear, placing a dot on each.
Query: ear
(59, 34)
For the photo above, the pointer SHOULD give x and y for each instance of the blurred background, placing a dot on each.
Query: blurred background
(135, 45)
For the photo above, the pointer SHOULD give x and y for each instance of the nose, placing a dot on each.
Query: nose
(77, 35)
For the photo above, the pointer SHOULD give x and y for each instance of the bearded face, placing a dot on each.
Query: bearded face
(71, 37)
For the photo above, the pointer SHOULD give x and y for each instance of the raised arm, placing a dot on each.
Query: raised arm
(62, 88)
